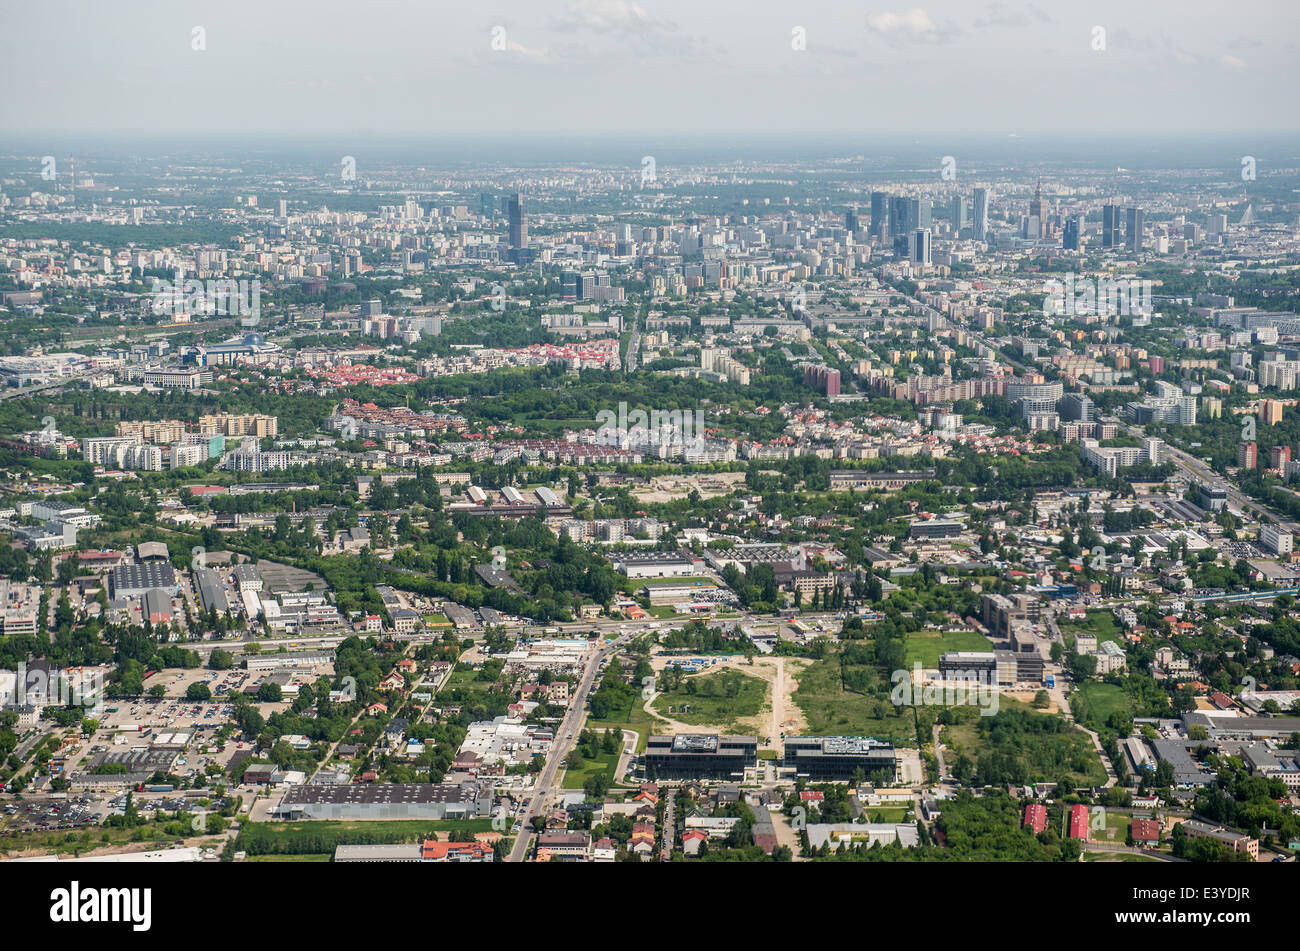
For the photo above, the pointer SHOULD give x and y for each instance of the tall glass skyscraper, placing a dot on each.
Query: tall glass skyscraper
(518, 226)
(1133, 236)
(981, 214)
(1110, 226)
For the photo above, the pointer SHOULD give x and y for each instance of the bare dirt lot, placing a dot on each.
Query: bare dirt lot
(668, 488)
(780, 713)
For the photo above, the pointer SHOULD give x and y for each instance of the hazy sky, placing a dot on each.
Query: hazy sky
(652, 67)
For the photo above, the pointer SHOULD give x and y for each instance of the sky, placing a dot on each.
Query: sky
(654, 68)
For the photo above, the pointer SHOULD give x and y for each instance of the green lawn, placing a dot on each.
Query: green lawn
(1100, 623)
(309, 857)
(1094, 702)
(636, 719)
(717, 699)
(833, 711)
(1117, 857)
(928, 646)
(885, 813)
(315, 837)
(605, 763)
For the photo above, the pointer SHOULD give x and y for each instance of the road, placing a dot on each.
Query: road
(1202, 473)
(62, 381)
(565, 737)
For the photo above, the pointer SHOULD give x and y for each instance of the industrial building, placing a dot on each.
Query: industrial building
(132, 581)
(468, 800)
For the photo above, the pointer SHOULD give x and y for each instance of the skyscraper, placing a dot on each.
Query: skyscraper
(920, 250)
(981, 214)
(1133, 236)
(879, 211)
(921, 209)
(851, 221)
(1036, 216)
(897, 215)
(1110, 226)
(1070, 233)
(960, 213)
(518, 226)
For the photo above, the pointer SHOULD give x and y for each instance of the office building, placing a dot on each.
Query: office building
(1075, 407)
(1110, 225)
(981, 214)
(961, 214)
(920, 250)
(517, 222)
(1133, 235)
(879, 212)
(700, 756)
(1071, 232)
(1275, 540)
(839, 758)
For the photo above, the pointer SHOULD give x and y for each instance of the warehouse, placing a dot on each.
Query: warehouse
(467, 800)
(132, 581)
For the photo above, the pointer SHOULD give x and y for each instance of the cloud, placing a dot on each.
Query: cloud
(909, 26)
(624, 28)
(997, 15)
(1231, 62)
(609, 16)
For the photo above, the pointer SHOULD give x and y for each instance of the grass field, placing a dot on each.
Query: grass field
(928, 646)
(636, 719)
(605, 763)
(1094, 701)
(1047, 757)
(308, 857)
(833, 711)
(315, 837)
(80, 841)
(885, 813)
(718, 698)
(1117, 857)
(466, 680)
(1099, 623)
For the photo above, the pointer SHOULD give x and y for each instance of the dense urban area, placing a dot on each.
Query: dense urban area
(862, 509)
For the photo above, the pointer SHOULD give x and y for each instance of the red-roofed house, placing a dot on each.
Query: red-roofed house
(1035, 817)
(692, 839)
(1079, 822)
(1221, 700)
(455, 851)
(1146, 832)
